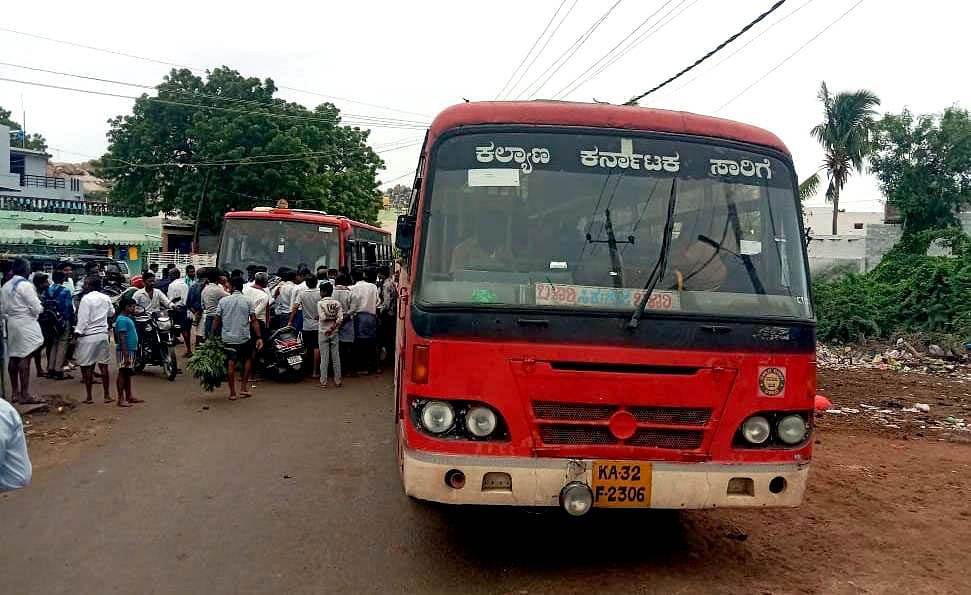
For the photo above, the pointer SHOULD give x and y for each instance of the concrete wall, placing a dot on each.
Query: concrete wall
(4, 149)
(35, 165)
(828, 253)
(7, 179)
(880, 239)
(964, 218)
(857, 253)
(65, 193)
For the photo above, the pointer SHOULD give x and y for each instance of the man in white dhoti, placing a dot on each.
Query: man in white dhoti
(92, 336)
(20, 307)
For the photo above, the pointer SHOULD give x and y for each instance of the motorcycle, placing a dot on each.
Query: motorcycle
(282, 356)
(155, 342)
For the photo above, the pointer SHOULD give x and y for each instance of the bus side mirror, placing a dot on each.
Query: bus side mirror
(404, 239)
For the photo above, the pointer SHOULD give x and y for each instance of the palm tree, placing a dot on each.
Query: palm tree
(845, 134)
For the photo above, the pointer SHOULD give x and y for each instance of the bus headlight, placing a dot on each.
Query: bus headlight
(791, 429)
(480, 421)
(437, 417)
(756, 429)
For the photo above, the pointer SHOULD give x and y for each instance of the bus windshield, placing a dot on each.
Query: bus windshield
(576, 221)
(250, 243)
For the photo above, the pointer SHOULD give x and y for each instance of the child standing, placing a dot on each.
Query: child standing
(330, 315)
(126, 340)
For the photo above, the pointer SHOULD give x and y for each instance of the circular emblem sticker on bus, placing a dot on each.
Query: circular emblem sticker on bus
(772, 381)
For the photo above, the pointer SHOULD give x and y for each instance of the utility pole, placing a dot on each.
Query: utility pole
(195, 233)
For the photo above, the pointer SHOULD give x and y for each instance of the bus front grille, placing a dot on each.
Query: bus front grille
(676, 439)
(572, 411)
(681, 416)
(687, 416)
(563, 424)
(557, 435)
(576, 435)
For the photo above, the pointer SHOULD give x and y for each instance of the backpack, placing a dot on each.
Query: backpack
(52, 324)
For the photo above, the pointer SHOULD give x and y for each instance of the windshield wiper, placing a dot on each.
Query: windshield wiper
(746, 260)
(661, 266)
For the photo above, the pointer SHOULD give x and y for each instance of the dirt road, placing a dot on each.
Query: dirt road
(296, 491)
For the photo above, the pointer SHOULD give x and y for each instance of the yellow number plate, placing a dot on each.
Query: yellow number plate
(621, 484)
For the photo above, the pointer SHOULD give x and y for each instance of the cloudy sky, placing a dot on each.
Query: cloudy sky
(419, 57)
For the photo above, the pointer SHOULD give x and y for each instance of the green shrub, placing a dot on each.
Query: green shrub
(844, 310)
(907, 292)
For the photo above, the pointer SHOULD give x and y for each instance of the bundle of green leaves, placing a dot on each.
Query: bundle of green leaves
(208, 363)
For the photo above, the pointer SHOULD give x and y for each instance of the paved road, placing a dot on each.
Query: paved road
(296, 491)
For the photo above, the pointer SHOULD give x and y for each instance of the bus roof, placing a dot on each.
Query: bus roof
(304, 216)
(565, 113)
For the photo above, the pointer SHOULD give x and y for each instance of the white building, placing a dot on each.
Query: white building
(24, 179)
(820, 220)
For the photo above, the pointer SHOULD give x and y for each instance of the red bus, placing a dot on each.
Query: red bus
(283, 237)
(603, 306)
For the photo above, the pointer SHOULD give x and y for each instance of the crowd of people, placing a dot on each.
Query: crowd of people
(346, 318)
(45, 315)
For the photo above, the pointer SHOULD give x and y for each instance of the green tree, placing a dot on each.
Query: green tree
(923, 163)
(400, 195)
(845, 134)
(31, 141)
(235, 146)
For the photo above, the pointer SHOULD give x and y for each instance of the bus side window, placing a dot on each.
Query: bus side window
(371, 253)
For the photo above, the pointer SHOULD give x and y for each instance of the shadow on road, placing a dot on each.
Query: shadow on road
(511, 538)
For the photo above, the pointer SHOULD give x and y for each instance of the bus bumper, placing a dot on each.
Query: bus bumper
(538, 481)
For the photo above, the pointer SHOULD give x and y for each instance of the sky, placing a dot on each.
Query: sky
(420, 57)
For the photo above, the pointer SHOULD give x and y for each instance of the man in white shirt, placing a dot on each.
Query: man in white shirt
(149, 298)
(179, 290)
(283, 301)
(92, 336)
(306, 304)
(364, 309)
(21, 307)
(15, 468)
(257, 293)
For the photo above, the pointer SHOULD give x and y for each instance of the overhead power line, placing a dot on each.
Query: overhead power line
(789, 57)
(192, 94)
(216, 108)
(254, 160)
(396, 178)
(724, 59)
(665, 19)
(567, 54)
(512, 88)
(564, 91)
(193, 68)
(531, 48)
(741, 32)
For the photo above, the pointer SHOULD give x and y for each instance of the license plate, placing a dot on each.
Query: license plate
(621, 484)
(294, 359)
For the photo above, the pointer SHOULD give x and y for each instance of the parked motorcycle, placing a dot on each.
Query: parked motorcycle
(282, 356)
(156, 347)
